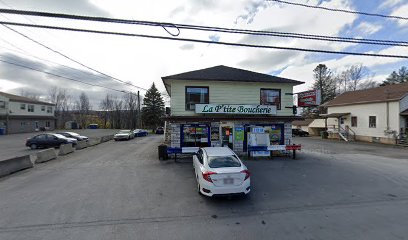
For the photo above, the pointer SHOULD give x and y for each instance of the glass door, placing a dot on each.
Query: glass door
(227, 138)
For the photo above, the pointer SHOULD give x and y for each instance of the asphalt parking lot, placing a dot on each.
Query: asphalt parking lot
(14, 144)
(120, 190)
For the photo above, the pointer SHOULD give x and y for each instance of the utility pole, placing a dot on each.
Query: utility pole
(138, 110)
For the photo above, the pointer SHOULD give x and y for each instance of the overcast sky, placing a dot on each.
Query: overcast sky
(143, 61)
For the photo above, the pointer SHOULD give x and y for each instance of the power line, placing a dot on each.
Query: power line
(206, 28)
(341, 10)
(204, 41)
(71, 59)
(60, 76)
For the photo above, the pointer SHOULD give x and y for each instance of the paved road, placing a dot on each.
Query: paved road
(14, 144)
(119, 190)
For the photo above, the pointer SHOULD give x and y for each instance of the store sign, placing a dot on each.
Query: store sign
(235, 109)
(309, 98)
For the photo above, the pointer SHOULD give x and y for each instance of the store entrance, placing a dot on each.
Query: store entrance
(195, 135)
(227, 136)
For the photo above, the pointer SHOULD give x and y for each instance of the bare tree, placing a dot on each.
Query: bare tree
(106, 106)
(353, 78)
(83, 107)
(63, 104)
(130, 107)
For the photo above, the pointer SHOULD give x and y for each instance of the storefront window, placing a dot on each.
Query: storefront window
(195, 135)
(196, 95)
(271, 97)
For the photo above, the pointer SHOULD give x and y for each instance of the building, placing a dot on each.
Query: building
(313, 126)
(21, 114)
(219, 106)
(374, 115)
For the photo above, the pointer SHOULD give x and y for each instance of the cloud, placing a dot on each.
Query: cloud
(401, 11)
(389, 3)
(367, 28)
(188, 46)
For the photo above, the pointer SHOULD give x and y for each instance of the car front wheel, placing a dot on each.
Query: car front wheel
(33, 146)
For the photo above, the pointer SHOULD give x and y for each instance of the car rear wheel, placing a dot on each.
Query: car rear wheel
(33, 146)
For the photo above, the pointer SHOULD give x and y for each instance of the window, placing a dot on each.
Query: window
(372, 121)
(42, 108)
(22, 106)
(354, 121)
(30, 108)
(341, 120)
(47, 124)
(271, 97)
(49, 109)
(2, 104)
(223, 161)
(196, 95)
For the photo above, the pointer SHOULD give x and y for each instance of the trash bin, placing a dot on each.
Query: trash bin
(2, 131)
(162, 152)
(324, 134)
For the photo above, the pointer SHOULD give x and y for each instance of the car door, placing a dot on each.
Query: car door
(40, 140)
(198, 162)
(52, 141)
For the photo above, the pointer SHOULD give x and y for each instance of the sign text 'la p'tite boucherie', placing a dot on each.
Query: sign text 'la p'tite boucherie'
(235, 109)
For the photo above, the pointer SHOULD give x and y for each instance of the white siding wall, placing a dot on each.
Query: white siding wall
(15, 109)
(228, 93)
(3, 111)
(363, 111)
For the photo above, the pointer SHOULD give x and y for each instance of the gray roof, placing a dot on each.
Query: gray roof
(16, 98)
(224, 73)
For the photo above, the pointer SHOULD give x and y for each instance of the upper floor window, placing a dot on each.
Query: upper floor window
(271, 97)
(196, 95)
(42, 108)
(2, 104)
(22, 106)
(372, 121)
(30, 108)
(49, 109)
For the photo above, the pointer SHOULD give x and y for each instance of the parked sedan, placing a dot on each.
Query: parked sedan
(74, 135)
(299, 132)
(219, 171)
(140, 132)
(48, 140)
(159, 130)
(124, 135)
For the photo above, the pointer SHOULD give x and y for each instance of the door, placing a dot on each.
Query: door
(227, 136)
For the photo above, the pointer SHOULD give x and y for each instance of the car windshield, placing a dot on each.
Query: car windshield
(223, 161)
(124, 131)
(73, 134)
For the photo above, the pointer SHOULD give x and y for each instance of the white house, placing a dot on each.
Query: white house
(21, 114)
(375, 115)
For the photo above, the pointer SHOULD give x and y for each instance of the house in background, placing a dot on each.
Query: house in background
(21, 114)
(374, 115)
(313, 126)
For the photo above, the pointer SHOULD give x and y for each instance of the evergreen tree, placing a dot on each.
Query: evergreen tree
(397, 77)
(324, 82)
(153, 109)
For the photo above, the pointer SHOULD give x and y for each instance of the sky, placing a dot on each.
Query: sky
(143, 61)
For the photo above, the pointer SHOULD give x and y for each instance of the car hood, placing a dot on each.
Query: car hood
(122, 134)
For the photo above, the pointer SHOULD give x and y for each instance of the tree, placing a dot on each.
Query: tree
(106, 106)
(354, 78)
(63, 104)
(395, 78)
(324, 82)
(83, 107)
(153, 109)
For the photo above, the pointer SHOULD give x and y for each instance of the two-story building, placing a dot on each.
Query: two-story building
(219, 106)
(374, 115)
(21, 114)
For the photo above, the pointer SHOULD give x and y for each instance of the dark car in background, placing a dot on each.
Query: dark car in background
(74, 135)
(159, 130)
(299, 132)
(140, 132)
(48, 140)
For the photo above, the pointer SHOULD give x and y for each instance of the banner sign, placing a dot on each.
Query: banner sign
(235, 109)
(309, 98)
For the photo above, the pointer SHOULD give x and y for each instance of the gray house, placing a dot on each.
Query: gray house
(21, 114)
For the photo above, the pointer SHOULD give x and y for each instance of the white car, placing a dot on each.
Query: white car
(219, 171)
(124, 135)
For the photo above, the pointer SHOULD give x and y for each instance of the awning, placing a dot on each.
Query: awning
(334, 115)
(404, 113)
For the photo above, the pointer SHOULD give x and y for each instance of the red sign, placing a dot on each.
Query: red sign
(293, 147)
(309, 98)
